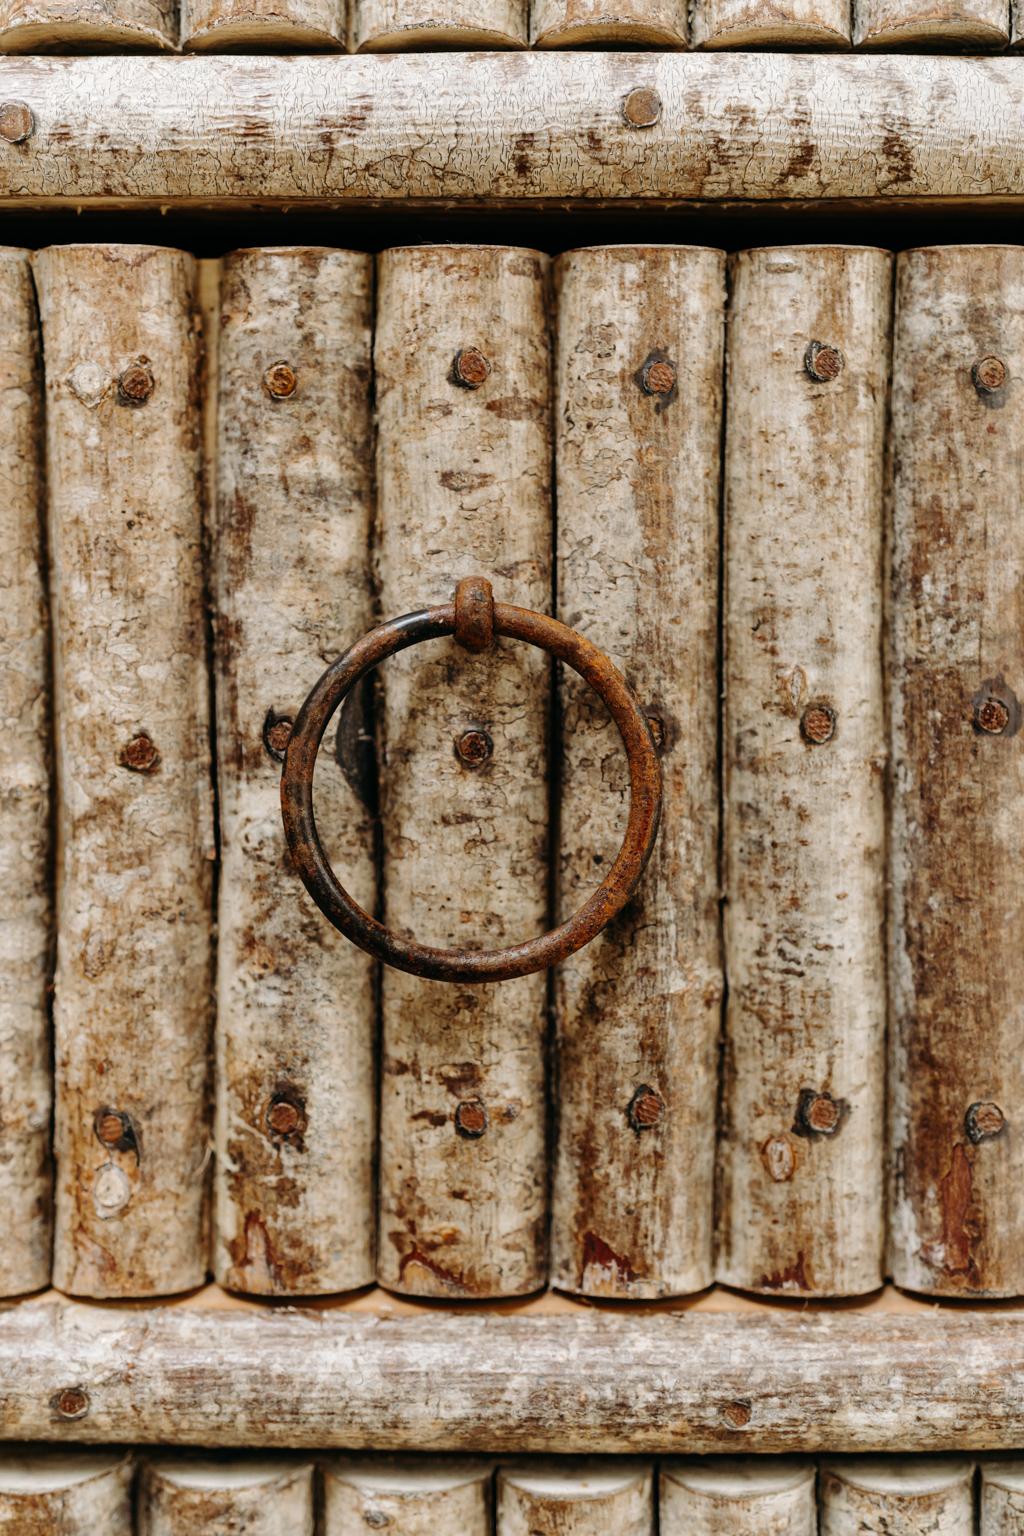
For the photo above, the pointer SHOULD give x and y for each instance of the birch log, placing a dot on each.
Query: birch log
(218, 26)
(801, 1149)
(100, 26)
(295, 1097)
(411, 1496)
(1002, 1498)
(25, 872)
(607, 23)
(877, 1497)
(244, 1497)
(576, 1498)
(771, 24)
(638, 397)
(463, 487)
(385, 26)
(57, 1492)
(134, 834)
(963, 24)
(749, 1496)
(957, 934)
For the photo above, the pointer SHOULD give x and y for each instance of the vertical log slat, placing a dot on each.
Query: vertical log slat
(729, 1496)
(135, 843)
(609, 23)
(611, 1497)
(1002, 1498)
(93, 26)
(257, 1497)
(407, 1496)
(894, 1496)
(238, 26)
(295, 1097)
(801, 1150)
(962, 24)
(463, 485)
(957, 668)
(780, 24)
(638, 420)
(389, 26)
(56, 1492)
(26, 1182)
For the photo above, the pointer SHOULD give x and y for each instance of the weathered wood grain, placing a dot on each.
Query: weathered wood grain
(463, 488)
(801, 1189)
(918, 1497)
(962, 24)
(101, 26)
(592, 1381)
(738, 1496)
(607, 23)
(55, 1492)
(248, 1497)
(771, 24)
(575, 1498)
(957, 673)
(639, 1009)
(537, 128)
(296, 1019)
(408, 1496)
(224, 26)
(26, 922)
(1002, 1498)
(388, 26)
(135, 841)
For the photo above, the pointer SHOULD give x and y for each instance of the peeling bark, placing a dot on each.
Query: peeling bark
(26, 1178)
(638, 398)
(414, 1496)
(750, 1496)
(218, 26)
(771, 24)
(963, 24)
(618, 23)
(134, 837)
(102, 26)
(1002, 1498)
(463, 476)
(252, 1497)
(295, 1110)
(567, 1498)
(388, 26)
(921, 1497)
(957, 935)
(57, 1492)
(801, 1147)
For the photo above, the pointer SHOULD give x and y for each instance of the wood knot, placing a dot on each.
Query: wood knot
(779, 1158)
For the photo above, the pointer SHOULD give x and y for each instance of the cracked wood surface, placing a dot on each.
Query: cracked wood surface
(609, 23)
(254, 1496)
(919, 1497)
(409, 1496)
(593, 1382)
(502, 129)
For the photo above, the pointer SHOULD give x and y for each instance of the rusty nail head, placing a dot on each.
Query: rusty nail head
(656, 726)
(641, 108)
(474, 747)
(988, 374)
(110, 1126)
(283, 1116)
(140, 754)
(658, 377)
(280, 381)
(470, 368)
(70, 1402)
(16, 121)
(738, 1414)
(984, 1122)
(823, 362)
(277, 733)
(818, 724)
(471, 1119)
(818, 1113)
(991, 716)
(646, 1108)
(135, 383)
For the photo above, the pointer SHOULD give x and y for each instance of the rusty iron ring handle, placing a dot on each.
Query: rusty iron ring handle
(474, 619)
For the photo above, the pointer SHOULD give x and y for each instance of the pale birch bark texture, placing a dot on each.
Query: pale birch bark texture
(638, 402)
(247, 1497)
(576, 1498)
(957, 675)
(26, 920)
(57, 1492)
(463, 488)
(296, 1019)
(618, 23)
(1002, 1498)
(386, 26)
(407, 1496)
(917, 1496)
(135, 844)
(963, 24)
(101, 26)
(801, 1144)
(771, 24)
(738, 1496)
(218, 26)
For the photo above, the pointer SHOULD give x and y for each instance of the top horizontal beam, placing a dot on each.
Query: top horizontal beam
(512, 130)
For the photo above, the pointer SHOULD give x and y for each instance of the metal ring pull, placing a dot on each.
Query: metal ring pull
(474, 619)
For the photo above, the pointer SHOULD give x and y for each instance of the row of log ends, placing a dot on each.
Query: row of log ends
(32, 26)
(473, 406)
(82, 1493)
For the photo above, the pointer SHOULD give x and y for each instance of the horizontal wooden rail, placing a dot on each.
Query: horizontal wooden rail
(530, 1378)
(511, 129)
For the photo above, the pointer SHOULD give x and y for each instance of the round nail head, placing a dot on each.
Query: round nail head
(16, 121)
(642, 108)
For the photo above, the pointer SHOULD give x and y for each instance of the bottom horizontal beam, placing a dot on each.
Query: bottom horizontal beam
(605, 1381)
